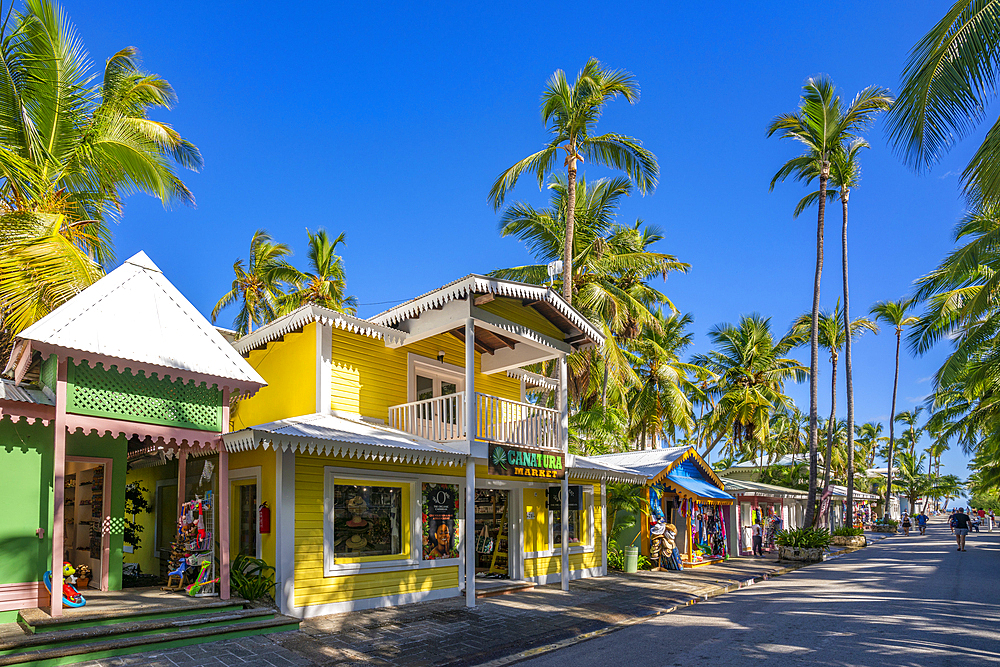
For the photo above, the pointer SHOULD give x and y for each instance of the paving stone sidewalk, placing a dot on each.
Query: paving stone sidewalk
(445, 632)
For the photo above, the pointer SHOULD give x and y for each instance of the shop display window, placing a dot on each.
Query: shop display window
(368, 520)
(579, 511)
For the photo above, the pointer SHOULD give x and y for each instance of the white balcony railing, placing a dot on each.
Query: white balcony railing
(497, 419)
(439, 419)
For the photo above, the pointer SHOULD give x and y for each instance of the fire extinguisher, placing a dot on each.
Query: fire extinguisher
(265, 518)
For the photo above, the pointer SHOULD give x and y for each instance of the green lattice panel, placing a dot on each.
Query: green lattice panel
(151, 400)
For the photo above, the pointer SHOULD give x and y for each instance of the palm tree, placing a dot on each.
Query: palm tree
(72, 146)
(912, 433)
(327, 285)
(659, 405)
(822, 125)
(894, 313)
(258, 288)
(833, 337)
(570, 113)
(614, 266)
(947, 89)
(869, 436)
(750, 369)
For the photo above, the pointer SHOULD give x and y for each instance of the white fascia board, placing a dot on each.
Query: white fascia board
(506, 359)
(432, 322)
(506, 327)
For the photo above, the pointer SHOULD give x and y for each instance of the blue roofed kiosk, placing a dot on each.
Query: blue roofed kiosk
(689, 494)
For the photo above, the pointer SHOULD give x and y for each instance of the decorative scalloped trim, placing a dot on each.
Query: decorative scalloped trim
(462, 287)
(533, 378)
(13, 418)
(347, 450)
(308, 315)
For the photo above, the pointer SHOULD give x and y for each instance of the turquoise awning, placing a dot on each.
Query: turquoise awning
(687, 476)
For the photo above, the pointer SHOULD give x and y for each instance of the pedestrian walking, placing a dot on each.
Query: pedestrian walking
(992, 519)
(922, 523)
(906, 524)
(962, 521)
(951, 521)
(758, 540)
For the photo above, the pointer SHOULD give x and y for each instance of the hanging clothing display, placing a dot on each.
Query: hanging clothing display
(708, 533)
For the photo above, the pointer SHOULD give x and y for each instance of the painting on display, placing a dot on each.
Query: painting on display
(440, 509)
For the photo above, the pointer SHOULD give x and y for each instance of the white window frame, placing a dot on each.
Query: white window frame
(333, 475)
(586, 548)
(241, 475)
(432, 368)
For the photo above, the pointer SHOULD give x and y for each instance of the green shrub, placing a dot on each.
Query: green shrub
(616, 560)
(891, 523)
(251, 578)
(804, 538)
(848, 531)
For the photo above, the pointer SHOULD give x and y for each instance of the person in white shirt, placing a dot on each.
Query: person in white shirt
(758, 540)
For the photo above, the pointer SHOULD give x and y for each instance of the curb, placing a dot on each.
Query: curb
(621, 625)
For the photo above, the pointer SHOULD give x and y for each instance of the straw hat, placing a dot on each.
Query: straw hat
(356, 542)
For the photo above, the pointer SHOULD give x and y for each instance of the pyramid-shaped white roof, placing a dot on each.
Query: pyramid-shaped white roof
(134, 314)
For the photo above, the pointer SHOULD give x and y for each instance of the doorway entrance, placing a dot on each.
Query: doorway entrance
(493, 543)
(86, 516)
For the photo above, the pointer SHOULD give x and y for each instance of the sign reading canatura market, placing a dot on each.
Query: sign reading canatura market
(513, 461)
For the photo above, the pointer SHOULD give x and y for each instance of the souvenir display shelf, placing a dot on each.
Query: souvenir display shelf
(82, 517)
(196, 535)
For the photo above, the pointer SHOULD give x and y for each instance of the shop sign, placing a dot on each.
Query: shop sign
(512, 461)
(440, 507)
(555, 498)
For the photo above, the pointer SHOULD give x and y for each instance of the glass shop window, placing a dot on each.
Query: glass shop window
(579, 505)
(368, 520)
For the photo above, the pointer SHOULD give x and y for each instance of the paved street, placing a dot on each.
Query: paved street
(905, 601)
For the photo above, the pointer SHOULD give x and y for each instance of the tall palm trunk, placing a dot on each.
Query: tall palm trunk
(810, 516)
(570, 222)
(892, 421)
(830, 430)
(848, 368)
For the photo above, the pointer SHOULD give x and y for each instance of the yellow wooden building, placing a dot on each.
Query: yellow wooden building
(400, 458)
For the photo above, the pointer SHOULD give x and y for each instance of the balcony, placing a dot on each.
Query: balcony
(442, 419)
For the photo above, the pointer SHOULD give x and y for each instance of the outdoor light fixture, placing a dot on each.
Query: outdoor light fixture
(441, 356)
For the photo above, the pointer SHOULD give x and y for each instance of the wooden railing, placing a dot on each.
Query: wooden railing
(497, 419)
(439, 419)
(502, 420)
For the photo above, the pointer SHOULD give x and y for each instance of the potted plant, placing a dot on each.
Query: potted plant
(802, 544)
(885, 525)
(848, 536)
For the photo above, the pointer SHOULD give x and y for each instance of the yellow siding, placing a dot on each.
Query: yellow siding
(265, 458)
(311, 587)
(513, 311)
(148, 563)
(536, 532)
(289, 366)
(538, 567)
(368, 378)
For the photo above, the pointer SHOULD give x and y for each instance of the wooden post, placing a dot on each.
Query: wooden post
(470, 464)
(58, 490)
(181, 479)
(222, 526)
(564, 435)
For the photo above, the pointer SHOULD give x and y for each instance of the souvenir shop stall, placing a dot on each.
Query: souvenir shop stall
(685, 492)
(864, 514)
(775, 508)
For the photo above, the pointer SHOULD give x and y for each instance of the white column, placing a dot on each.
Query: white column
(564, 430)
(285, 530)
(470, 464)
(58, 491)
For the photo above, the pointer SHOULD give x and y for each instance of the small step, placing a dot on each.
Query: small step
(502, 587)
(129, 627)
(39, 621)
(164, 640)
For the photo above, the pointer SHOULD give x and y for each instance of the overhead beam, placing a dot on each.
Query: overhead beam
(484, 299)
(480, 348)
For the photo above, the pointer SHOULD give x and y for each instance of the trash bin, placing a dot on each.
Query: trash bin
(631, 559)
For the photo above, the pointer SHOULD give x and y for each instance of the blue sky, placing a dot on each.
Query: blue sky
(391, 121)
